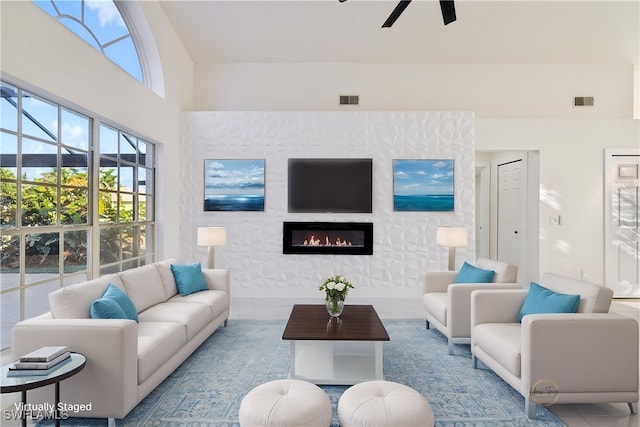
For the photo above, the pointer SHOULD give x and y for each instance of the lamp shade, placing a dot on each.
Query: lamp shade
(452, 237)
(212, 236)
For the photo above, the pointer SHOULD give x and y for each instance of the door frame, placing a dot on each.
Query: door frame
(609, 153)
(530, 270)
(483, 209)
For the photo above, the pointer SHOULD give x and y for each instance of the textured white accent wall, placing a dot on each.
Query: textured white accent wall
(404, 242)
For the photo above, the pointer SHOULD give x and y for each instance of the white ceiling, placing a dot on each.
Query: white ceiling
(486, 32)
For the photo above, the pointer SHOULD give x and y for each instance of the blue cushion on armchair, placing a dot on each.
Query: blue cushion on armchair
(470, 274)
(542, 300)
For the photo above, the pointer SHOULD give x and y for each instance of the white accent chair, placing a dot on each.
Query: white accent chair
(590, 356)
(448, 305)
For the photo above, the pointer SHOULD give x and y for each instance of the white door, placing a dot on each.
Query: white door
(622, 222)
(511, 210)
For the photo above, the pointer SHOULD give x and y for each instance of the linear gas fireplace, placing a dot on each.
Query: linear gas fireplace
(328, 238)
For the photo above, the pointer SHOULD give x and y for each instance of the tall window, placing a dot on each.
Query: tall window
(57, 226)
(99, 23)
(125, 199)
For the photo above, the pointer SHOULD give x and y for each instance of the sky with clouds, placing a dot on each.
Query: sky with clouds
(423, 177)
(105, 29)
(234, 177)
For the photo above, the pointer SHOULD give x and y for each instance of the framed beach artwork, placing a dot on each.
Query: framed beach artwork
(234, 185)
(423, 185)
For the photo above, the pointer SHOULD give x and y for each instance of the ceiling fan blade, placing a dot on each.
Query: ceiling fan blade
(402, 5)
(448, 11)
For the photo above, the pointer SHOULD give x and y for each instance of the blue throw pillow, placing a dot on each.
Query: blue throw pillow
(470, 274)
(105, 308)
(123, 300)
(189, 278)
(543, 300)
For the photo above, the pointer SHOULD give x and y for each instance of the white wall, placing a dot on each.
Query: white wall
(490, 91)
(517, 108)
(404, 242)
(636, 92)
(54, 61)
(571, 156)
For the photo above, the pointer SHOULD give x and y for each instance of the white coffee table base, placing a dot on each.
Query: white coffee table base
(336, 362)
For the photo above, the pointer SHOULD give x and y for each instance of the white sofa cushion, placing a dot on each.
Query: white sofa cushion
(501, 341)
(436, 304)
(74, 301)
(144, 286)
(217, 301)
(157, 342)
(168, 281)
(505, 273)
(593, 298)
(192, 316)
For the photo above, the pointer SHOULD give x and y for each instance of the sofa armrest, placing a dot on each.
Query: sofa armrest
(218, 279)
(109, 380)
(601, 347)
(496, 306)
(437, 281)
(459, 305)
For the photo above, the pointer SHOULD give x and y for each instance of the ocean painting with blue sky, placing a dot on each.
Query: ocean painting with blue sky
(234, 185)
(423, 185)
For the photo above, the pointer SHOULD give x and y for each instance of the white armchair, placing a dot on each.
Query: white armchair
(590, 356)
(448, 305)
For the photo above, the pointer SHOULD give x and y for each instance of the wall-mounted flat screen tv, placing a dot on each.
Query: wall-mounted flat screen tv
(331, 185)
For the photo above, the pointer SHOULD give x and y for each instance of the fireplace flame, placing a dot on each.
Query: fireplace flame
(313, 241)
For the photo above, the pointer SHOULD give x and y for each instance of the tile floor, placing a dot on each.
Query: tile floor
(573, 415)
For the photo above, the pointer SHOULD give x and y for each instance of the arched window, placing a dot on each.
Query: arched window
(106, 25)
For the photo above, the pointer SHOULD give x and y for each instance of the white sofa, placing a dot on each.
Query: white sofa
(447, 305)
(125, 360)
(590, 356)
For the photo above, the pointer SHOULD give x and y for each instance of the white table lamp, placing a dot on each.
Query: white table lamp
(451, 237)
(211, 237)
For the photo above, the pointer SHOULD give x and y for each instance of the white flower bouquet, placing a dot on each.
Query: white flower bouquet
(336, 290)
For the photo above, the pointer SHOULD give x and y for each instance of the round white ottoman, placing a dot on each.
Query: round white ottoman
(383, 403)
(285, 403)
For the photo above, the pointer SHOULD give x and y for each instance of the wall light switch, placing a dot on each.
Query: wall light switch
(554, 220)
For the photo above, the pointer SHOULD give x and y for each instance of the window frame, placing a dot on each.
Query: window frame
(24, 285)
(138, 30)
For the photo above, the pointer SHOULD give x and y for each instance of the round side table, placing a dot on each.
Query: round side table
(58, 373)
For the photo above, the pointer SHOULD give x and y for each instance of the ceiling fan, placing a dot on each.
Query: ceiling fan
(447, 7)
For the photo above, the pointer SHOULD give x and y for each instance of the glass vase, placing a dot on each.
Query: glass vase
(335, 306)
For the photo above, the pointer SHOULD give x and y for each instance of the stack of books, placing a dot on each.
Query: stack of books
(40, 362)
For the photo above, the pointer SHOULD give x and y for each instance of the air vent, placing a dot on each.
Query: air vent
(349, 100)
(583, 101)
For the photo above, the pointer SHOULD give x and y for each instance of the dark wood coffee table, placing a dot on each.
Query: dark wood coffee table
(341, 351)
